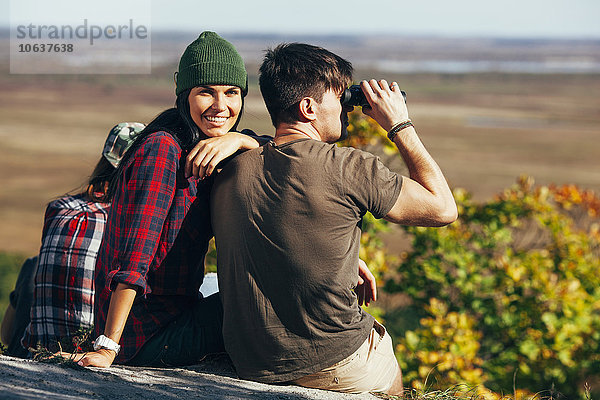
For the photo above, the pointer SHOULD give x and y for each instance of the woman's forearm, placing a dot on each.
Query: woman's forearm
(249, 142)
(121, 301)
(119, 307)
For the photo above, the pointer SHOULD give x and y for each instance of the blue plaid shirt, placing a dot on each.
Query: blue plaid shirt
(63, 297)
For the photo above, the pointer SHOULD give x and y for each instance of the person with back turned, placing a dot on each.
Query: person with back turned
(288, 235)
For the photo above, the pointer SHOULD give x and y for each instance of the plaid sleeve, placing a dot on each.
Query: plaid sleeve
(140, 209)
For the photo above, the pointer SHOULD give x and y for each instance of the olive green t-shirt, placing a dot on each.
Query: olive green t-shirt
(287, 226)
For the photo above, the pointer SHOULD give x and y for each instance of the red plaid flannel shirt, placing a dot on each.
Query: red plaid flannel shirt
(155, 240)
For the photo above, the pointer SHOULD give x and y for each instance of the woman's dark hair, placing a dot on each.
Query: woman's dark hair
(178, 122)
(103, 173)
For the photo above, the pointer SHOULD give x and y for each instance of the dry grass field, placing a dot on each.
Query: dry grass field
(484, 130)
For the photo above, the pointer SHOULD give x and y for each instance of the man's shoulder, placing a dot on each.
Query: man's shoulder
(326, 156)
(317, 148)
(350, 157)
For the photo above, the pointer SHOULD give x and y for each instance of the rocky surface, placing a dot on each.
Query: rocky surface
(215, 379)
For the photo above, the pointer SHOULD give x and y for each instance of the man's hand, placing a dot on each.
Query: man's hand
(425, 198)
(387, 105)
(207, 154)
(366, 289)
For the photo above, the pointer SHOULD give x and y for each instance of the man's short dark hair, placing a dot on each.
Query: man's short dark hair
(293, 71)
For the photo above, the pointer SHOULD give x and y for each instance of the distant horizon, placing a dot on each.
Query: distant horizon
(5, 29)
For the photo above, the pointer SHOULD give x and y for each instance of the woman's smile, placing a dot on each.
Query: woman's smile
(216, 120)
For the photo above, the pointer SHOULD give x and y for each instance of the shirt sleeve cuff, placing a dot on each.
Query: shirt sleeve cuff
(128, 277)
(392, 200)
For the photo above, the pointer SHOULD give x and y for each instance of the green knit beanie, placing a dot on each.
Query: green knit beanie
(211, 60)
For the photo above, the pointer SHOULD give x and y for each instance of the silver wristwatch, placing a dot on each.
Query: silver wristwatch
(106, 343)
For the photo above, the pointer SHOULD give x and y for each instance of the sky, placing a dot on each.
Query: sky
(506, 18)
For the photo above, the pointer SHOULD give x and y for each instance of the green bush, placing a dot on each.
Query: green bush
(210, 261)
(508, 293)
(10, 265)
(507, 297)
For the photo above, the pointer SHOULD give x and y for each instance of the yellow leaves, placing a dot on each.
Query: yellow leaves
(573, 285)
(424, 371)
(521, 394)
(437, 330)
(463, 322)
(471, 375)
(487, 394)
(524, 368)
(547, 354)
(546, 198)
(525, 182)
(565, 357)
(432, 357)
(364, 131)
(569, 195)
(456, 344)
(534, 333)
(437, 307)
(515, 272)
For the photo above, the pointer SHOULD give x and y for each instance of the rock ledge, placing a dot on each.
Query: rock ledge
(25, 379)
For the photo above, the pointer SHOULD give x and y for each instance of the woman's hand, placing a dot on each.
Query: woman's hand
(207, 154)
(366, 290)
(102, 358)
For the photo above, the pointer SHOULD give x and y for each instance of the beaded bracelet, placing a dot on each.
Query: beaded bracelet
(397, 128)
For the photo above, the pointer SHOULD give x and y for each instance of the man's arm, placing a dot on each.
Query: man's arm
(425, 198)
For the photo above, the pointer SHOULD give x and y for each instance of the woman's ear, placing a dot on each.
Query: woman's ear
(307, 109)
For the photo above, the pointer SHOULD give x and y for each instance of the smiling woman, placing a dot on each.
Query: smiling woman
(215, 109)
(151, 261)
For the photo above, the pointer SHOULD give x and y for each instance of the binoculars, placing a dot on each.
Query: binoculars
(354, 96)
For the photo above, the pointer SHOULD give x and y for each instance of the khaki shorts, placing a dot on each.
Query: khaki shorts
(371, 368)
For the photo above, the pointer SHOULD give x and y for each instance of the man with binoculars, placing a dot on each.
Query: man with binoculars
(287, 226)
